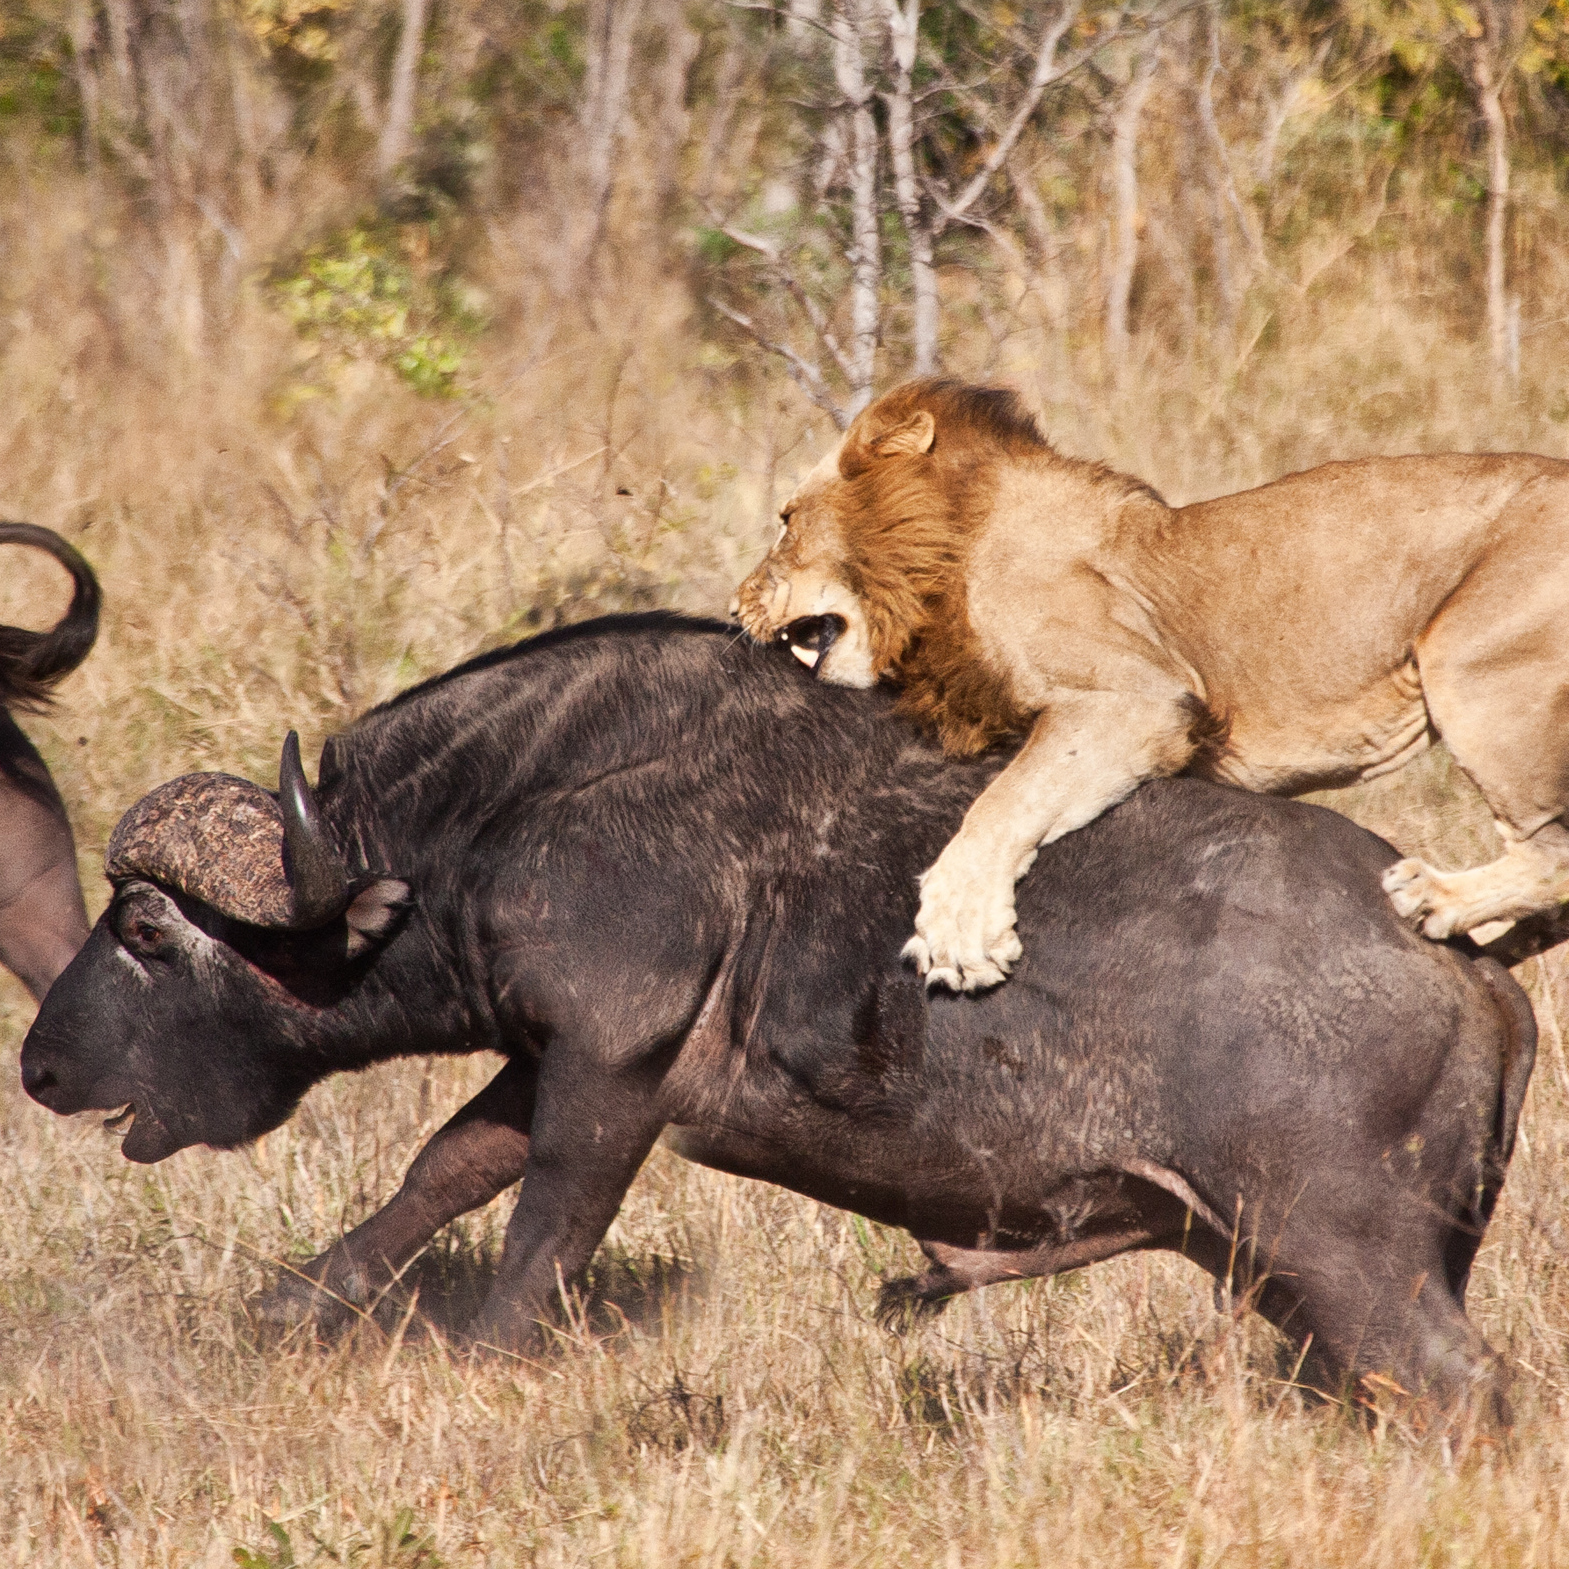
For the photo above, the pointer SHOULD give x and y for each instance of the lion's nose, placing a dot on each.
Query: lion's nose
(735, 606)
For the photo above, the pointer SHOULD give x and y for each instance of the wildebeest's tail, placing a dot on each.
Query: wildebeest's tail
(31, 662)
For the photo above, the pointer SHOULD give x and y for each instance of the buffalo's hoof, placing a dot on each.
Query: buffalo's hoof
(903, 1303)
(297, 1297)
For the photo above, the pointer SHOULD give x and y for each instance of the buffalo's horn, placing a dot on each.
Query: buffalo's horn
(318, 879)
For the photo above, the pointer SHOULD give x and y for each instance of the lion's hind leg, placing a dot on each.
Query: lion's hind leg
(1531, 876)
(1494, 665)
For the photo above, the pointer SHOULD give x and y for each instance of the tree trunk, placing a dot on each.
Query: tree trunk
(1125, 207)
(397, 129)
(1489, 94)
(1205, 35)
(83, 26)
(613, 25)
(903, 27)
(670, 123)
(853, 27)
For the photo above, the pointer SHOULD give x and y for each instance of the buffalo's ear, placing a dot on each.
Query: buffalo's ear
(909, 438)
(374, 911)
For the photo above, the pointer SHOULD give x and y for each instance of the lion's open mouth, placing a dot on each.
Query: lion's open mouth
(121, 1121)
(810, 637)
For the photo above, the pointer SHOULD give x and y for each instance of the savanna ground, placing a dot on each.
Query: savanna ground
(287, 532)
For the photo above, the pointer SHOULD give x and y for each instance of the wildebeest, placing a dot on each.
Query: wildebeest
(669, 876)
(43, 920)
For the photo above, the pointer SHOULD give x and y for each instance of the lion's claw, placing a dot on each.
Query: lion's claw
(964, 934)
(1418, 894)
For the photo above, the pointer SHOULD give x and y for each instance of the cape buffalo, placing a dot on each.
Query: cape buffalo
(669, 875)
(43, 920)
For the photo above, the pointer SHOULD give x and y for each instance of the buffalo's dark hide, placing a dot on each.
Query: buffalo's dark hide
(668, 876)
(43, 920)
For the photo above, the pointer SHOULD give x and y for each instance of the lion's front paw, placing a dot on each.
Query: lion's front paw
(1419, 895)
(964, 933)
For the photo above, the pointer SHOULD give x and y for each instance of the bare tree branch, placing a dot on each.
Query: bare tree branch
(1125, 206)
(803, 372)
(1228, 182)
(1045, 73)
(786, 274)
(1488, 84)
(903, 24)
(775, 13)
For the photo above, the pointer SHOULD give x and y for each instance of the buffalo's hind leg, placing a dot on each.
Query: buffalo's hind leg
(1380, 1318)
(480, 1152)
(900, 1303)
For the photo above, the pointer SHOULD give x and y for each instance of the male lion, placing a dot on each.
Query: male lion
(1312, 632)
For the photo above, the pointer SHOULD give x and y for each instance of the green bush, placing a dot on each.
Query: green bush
(362, 296)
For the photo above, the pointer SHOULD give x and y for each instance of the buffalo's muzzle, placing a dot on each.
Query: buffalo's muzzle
(39, 1082)
(810, 637)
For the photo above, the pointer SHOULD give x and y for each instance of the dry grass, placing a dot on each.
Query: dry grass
(721, 1396)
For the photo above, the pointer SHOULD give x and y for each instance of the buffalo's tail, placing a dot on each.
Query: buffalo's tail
(31, 662)
(1519, 1053)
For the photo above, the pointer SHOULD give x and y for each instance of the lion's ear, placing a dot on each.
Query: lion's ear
(910, 438)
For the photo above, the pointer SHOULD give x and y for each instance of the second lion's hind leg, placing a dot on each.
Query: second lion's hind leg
(1494, 666)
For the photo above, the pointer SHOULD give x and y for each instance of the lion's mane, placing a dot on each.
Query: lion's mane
(909, 523)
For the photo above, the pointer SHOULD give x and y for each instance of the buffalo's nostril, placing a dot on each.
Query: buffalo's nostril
(37, 1080)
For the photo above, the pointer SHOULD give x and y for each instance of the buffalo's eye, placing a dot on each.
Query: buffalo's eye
(142, 935)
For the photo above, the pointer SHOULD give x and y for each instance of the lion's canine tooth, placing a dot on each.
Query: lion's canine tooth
(121, 1121)
(807, 656)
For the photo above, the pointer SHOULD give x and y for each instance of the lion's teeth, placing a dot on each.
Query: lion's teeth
(121, 1121)
(807, 656)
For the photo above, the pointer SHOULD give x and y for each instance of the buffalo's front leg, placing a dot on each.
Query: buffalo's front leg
(478, 1153)
(593, 1128)
(42, 918)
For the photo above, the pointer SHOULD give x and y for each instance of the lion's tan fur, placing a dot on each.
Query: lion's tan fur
(909, 524)
(1315, 631)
